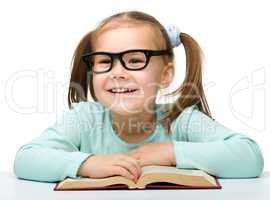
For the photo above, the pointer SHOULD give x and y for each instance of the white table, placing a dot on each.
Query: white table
(232, 189)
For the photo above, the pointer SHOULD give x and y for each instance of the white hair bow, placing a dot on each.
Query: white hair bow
(174, 34)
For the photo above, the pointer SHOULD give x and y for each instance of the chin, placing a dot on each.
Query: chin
(124, 111)
(124, 108)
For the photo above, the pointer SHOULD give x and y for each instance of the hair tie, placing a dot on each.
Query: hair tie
(174, 35)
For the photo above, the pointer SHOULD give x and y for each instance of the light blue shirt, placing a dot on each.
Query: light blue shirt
(198, 143)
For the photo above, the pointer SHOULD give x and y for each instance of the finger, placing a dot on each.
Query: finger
(128, 165)
(122, 171)
(136, 163)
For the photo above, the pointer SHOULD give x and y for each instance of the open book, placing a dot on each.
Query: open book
(152, 177)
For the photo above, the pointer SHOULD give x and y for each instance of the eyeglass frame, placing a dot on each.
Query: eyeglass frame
(148, 54)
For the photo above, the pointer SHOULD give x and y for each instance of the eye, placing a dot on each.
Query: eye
(134, 60)
(104, 61)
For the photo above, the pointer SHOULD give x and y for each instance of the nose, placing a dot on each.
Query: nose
(118, 70)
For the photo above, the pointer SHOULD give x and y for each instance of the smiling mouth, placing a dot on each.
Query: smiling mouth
(122, 90)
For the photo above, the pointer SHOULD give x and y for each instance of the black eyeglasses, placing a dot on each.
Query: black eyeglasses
(135, 59)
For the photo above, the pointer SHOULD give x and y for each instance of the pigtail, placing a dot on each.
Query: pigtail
(80, 78)
(191, 90)
(192, 85)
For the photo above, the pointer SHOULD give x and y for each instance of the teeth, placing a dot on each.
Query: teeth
(119, 90)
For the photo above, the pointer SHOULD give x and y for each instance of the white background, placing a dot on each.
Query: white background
(38, 39)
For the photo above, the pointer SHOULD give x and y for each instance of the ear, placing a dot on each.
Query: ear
(167, 75)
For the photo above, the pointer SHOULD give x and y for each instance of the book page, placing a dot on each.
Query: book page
(170, 169)
(152, 169)
(84, 182)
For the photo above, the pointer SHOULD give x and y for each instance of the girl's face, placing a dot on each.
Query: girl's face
(147, 81)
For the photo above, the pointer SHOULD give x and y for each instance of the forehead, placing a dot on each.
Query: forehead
(125, 36)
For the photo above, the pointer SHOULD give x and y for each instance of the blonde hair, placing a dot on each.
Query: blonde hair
(190, 91)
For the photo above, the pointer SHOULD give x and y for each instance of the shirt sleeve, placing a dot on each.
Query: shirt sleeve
(55, 154)
(203, 143)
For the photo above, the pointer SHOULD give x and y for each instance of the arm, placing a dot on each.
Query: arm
(205, 144)
(55, 154)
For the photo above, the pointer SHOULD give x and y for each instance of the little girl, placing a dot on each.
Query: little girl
(124, 63)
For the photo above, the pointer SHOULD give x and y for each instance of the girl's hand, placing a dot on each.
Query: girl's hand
(104, 165)
(154, 154)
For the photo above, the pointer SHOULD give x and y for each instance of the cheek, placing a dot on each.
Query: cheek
(95, 85)
(98, 84)
(150, 78)
(149, 83)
